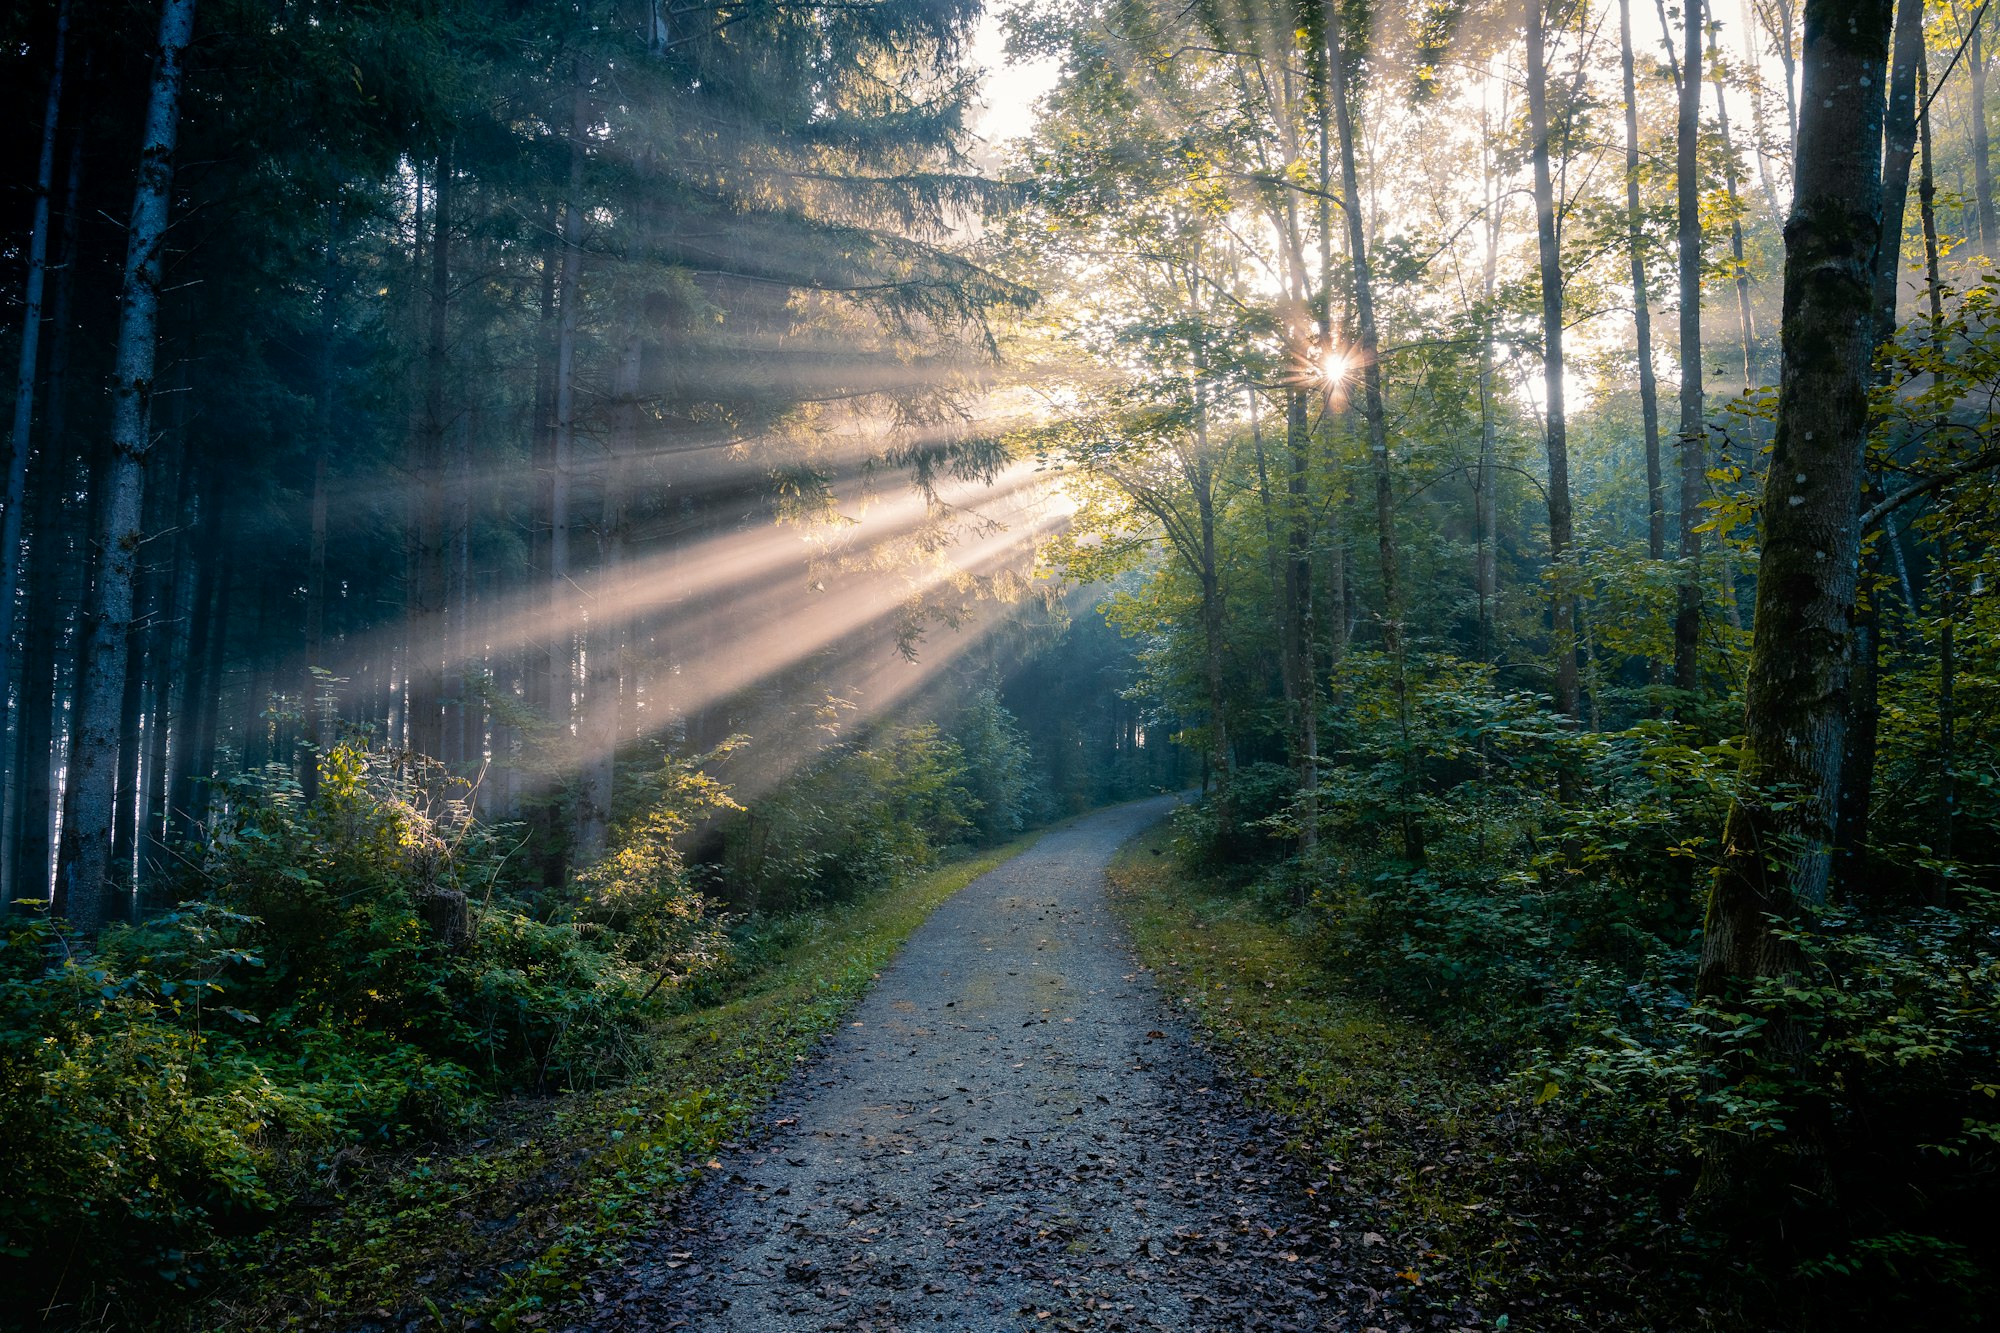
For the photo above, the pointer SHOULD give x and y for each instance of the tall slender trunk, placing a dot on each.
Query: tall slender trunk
(39, 727)
(145, 654)
(19, 437)
(1375, 417)
(459, 709)
(1693, 431)
(1947, 654)
(1947, 706)
(1899, 139)
(201, 701)
(1642, 314)
(85, 861)
(1299, 605)
(1899, 150)
(569, 301)
(538, 683)
(1745, 323)
(1777, 841)
(1301, 676)
(318, 726)
(607, 620)
(1982, 166)
(171, 661)
(1562, 535)
(430, 551)
(1787, 41)
(1211, 605)
(1486, 515)
(1759, 124)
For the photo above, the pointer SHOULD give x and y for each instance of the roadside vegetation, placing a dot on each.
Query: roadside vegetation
(369, 1065)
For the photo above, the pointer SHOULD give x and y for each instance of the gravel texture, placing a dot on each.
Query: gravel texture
(1010, 1132)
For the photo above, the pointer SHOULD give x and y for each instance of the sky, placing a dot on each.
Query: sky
(1009, 91)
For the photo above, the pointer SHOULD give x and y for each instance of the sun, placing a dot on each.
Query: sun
(1333, 365)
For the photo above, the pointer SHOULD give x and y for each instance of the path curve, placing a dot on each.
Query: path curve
(1010, 1132)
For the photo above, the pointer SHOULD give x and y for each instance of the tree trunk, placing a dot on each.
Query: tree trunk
(1642, 315)
(569, 301)
(19, 437)
(1375, 417)
(607, 620)
(431, 548)
(318, 726)
(1561, 525)
(461, 724)
(201, 694)
(1982, 167)
(538, 683)
(85, 862)
(1746, 325)
(1486, 509)
(170, 661)
(1693, 431)
(1947, 706)
(1212, 611)
(39, 726)
(1899, 135)
(1777, 842)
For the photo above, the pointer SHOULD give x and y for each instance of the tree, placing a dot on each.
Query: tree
(1693, 428)
(1777, 844)
(84, 871)
(1562, 531)
(19, 437)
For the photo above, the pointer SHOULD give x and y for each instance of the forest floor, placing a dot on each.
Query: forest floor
(1012, 1131)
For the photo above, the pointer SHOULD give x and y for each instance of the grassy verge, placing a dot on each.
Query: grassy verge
(497, 1232)
(1474, 1196)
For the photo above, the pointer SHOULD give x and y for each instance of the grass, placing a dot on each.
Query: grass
(1477, 1197)
(501, 1231)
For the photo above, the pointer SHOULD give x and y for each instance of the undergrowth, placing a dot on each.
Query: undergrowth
(500, 1230)
(1477, 1193)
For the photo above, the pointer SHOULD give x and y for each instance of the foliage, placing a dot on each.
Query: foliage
(858, 817)
(358, 971)
(1004, 797)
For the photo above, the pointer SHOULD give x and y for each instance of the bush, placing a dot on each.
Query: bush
(856, 819)
(355, 971)
(1243, 822)
(999, 770)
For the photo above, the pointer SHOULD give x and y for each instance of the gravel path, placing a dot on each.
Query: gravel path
(1011, 1132)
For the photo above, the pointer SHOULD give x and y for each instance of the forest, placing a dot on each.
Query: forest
(585, 581)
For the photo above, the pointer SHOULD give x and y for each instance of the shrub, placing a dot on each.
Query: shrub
(856, 819)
